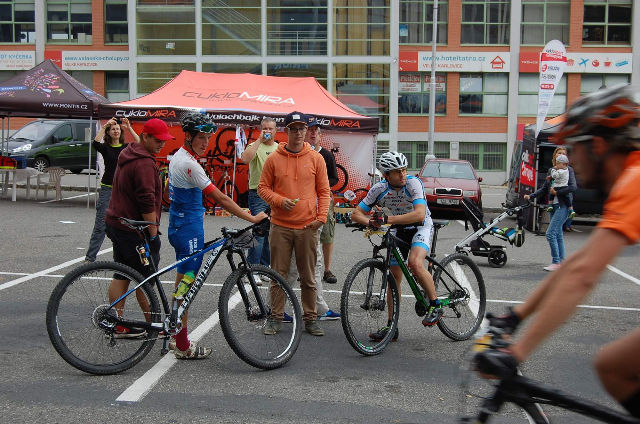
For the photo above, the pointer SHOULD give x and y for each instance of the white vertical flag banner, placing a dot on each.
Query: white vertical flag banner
(553, 61)
(240, 142)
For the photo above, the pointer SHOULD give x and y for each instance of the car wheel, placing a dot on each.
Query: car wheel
(41, 163)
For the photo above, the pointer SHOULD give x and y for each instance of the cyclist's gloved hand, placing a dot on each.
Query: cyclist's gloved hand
(377, 219)
(495, 363)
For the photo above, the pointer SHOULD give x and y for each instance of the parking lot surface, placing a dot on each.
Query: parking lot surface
(417, 379)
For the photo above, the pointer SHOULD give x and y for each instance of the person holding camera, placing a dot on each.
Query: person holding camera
(109, 142)
(255, 155)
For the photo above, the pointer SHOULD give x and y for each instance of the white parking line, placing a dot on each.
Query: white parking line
(67, 198)
(624, 274)
(139, 389)
(28, 277)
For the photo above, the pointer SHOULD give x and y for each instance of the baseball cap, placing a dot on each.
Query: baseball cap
(294, 117)
(157, 128)
(312, 121)
(562, 159)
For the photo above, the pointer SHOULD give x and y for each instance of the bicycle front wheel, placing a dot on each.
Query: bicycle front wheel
(244, 314)
(364, 309)
(81, 325)
(462, 286)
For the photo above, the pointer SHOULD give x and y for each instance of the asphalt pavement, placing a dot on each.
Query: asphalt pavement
(418, 379)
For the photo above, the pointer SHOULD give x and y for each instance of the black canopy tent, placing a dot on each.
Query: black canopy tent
(46, 91)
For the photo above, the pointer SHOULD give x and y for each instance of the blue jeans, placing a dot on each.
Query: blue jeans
(554, 233)
(97, 236)
(260, 254)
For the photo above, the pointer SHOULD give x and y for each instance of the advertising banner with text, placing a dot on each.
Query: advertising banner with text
(17, 60)
(553, 60)
(465, 61)
(95, 60)
(597, 63)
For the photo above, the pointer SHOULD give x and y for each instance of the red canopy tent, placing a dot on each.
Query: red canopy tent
(241, 99)
(245, 99)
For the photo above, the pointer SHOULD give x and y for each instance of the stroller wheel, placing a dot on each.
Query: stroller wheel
(497, 258)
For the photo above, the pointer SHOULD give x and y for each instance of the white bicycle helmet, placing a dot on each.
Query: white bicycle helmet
(392, 160)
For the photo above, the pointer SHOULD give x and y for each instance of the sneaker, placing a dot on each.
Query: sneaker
(572, 214)
(329, 277)
(550, 209)
(128, 333)
(271, 328)
(381, 333)
(89, 260)
(258, 280)
(329, 316)
(551, 267)
(432, 317)
(194, 352)
(313, 328)
(287, 318)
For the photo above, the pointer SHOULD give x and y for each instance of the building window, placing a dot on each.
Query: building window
(484, 94)
(362, 30)
(607, 22)
(318, 71)
(116, 30)
(69, 21)
(414, 91)
(297, 27)
(84, 77)
(485, 22)
(117, 86)
(152, 76)
(485, 156)
(364, 88)
(17, 21)
(231, 29)
(528, 96)
(543, 21)
(416, 152)
(416, 17)
(594, 82)
(166, 28)
(233, 68)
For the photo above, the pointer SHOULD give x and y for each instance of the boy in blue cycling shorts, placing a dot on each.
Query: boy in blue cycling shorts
(188, 182)
(404, 199)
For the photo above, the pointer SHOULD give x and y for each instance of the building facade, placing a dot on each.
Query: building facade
(373, 55)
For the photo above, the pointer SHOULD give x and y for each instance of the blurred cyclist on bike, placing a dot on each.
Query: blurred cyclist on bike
(188, 182)
(602, 131)
(403, 200)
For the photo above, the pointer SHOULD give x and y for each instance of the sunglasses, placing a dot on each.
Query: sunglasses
(206, 128)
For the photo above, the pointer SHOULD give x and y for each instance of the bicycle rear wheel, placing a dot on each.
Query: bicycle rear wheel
(81, 326)
(466, 294)
(243, 321)
(362, 316)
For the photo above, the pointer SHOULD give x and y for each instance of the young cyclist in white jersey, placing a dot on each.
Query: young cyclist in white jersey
(403, 201)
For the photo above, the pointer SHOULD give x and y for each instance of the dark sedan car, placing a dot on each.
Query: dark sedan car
(447, 181)
(47, 142)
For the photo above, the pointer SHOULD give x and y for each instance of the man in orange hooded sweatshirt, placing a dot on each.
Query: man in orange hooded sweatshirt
(295, 184)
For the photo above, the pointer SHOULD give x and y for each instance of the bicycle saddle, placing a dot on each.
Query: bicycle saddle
(133, 224)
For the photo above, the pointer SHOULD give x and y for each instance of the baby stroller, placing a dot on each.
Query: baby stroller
(474, 244)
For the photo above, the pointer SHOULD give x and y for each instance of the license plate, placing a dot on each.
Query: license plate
(448, 201)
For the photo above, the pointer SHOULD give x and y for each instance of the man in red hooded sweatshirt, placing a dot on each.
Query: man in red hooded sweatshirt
(137, 194)
(295, 184)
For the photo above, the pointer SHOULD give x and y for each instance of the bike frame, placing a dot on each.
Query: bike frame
(216, 247)
(390, 243)
(526, 393)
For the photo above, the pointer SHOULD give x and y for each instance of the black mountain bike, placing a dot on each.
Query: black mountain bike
(363, 305)
(90, 329)
(528, 394)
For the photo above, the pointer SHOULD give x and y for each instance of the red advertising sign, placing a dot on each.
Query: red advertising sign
(55, 56)
(408, 61)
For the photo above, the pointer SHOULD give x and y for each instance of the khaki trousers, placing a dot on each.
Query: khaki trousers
(303, 244)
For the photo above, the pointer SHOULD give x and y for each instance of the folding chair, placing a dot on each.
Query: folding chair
(55, 180)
